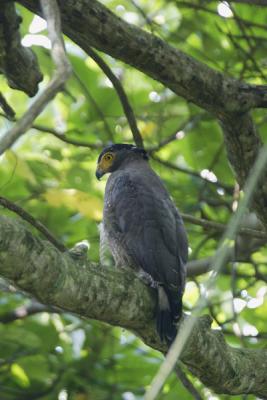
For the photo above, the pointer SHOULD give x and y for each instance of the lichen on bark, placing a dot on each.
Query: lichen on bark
(18, 63)
(111, 296)
(120, 299)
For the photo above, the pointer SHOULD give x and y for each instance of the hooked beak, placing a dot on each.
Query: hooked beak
(99, 173)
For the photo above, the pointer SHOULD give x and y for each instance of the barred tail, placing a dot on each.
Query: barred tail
(168, 314)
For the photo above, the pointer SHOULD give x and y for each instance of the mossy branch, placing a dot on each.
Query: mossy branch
(18, 63)
(120, 299)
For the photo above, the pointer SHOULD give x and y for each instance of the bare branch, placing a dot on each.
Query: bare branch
(63, 136)
(9, 112)
(186, 382)
(122, 96)
(221, 227)
(194, 267)
(63, 71)
(228, 188)
(18, 63)
(99, 110)
(187, 125)
(200, 7)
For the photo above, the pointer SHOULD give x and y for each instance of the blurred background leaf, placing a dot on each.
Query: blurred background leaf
(53, 355)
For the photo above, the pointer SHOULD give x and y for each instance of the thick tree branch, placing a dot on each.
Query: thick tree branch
(109, 295)
(119, 298)
(60, 76)
(241, 252)
(93, 292)
(89, 23)
(19, 64)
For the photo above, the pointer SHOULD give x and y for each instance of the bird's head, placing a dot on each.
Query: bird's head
(112, 157)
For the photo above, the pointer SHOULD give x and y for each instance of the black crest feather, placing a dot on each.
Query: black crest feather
(123, 146)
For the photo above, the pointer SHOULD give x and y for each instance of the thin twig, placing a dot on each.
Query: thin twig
(187, 125)
(91, 99)
(199, 7)
(34, 222)
(251, 2)
(228, 188)
(247, 55)
(221, 227)
(252, 48)
(187, 384)
(62, 136)
(146, 18)
(211, 166)
(8, 110)
(122, 96)
(62, 73)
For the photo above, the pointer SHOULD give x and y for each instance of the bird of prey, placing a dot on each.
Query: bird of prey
(144, 230)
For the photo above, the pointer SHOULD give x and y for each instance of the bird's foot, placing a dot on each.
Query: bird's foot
(147, 279)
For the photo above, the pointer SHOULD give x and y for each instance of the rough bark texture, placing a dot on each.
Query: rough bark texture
(18, 63)
(89, 23)
(242, 145)
(118, 298)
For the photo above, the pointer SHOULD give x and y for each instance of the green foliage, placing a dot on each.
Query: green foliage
(58, 356)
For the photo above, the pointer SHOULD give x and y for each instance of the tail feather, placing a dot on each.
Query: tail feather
(168, 314)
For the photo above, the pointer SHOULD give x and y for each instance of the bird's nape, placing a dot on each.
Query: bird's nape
(123, 147)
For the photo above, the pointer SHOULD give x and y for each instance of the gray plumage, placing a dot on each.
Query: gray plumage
(145, 231)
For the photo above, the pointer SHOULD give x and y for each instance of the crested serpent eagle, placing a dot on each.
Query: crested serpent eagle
(144, 230)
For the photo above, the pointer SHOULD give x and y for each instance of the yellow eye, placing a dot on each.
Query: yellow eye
(108, 157)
